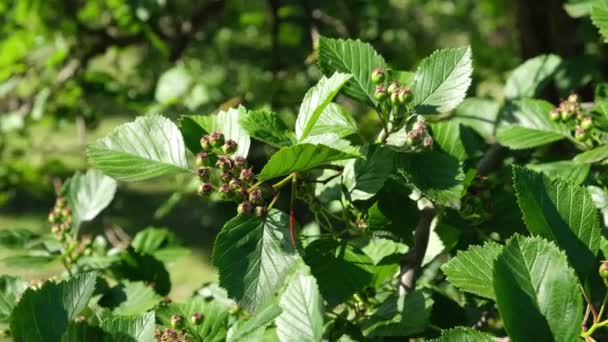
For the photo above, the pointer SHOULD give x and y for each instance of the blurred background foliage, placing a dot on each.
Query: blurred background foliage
(70, 70)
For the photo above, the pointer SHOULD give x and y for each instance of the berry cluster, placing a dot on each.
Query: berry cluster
(571, 109)
(227, 175)
(397, 94)
(170, 335)
(418, 136)
(60, 218)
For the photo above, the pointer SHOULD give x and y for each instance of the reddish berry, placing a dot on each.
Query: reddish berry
(256, 197)
(204, 173)
(205, 189)
(261, 211)
(244, 208)
(230, 146)
(216, 139)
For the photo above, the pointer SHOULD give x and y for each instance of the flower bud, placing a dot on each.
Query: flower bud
(205, 144)
(261, 211)
(203, 159)
(256, 197)
(205, 189)
(203, 173)
(229, 147)
(240, 162)
(393, 87)
(586, 123)
(196, 318)
(244, 208)
(378, 75)
(554, 114)
(580, 134)
(246, 175)
(223, 163)
(380, 93)
(177, 321)
(216, 139)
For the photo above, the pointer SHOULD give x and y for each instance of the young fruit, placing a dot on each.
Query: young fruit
(554, 114)
(229, 147)
(580, 134)
(244, 208)
(240, 162)
(427, 142)
(223, 163)
(203, 173)
(261, 211)
(378, 75)
(393, 87)
(586, 123)
(203, 159)
(404, 95)
(380, 93)
(216, 139)
(566, 115)
(226, 176)
(573, 98)
(256, 197)
(196, 318)
(604, 269)
(235, 184)
(205, 189)
(177, 321)
(246, 175)
(395, 98)
(225, 191)
(205, 144)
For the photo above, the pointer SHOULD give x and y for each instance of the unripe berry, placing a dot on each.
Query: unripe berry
(196, 318)
(223, 163)
(52, 217)
(55, 229)
(404, 95)
(256, 197)
(216, 139)
(177, 321)
(586, 123)
(573, 98)
(566, 115)
(240, 162)
(203, 173)
(229, 147)
(378, 75)
(226, 176)
(427, 142)
(395, 98)
(203, 159)
(225, 191)
(380, 93)
(246, 175)
(580, 134)
(554, 114)
(235, 184)
(205, 189)
(261, 211)
(393, 87)
(66, 212)
(244, 208)
(60, 202)
(205, 144)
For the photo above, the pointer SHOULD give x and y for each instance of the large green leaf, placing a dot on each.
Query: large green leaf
(267, 127)
(160, 243)
(44, 314)
(525, 124)
(471, 270)
(599, 17)
(302, 316)
(400, 316)
(462, 334)
(565, 169)
(454, 139)
(130, 298)
(442, 80)
(88, 194)
(11, 289)
(249, 329)
(300, 157)
(151, 146)
(534, 284)
(193, 127)
(560, 211)
(253, 257)
(363, 178)
(592, 156)
(435, 174)
(130, 328)
(215, 321)
(353, 57)
(339, 267)
(316, 100)
(335, 119)
(530, 77)
(134, 266)
(480, 114)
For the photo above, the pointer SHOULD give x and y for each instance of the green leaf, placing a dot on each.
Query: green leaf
(172, 84)
(44, 314)
(435, 174)
(151, 146)
(130, 328)
(316, 100)
(256, 324)
(479, 114)
(525, 124)
(400, 316)
(88, 194)
(599, 17)
(11, 289)
(160, 243)
(142, 267)
(442, 80)
(302, 316)
(130, 298)
(267, 127)
(339, 267)
(300, 157)
(462, 334)
(471, 270)
(528, 79)
(564, 169)
(593, 156)
(454, 139)
(33, 260)
(16, 238)
(600, 198)
(335, 119)
(378, 248)
(534, 284)
(215, 321)
(253, 257)
(363, 178)
(333, 141)
(353, 57)
(560, 211)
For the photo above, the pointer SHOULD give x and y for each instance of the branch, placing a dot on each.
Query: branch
(412, 261)
(490, 160)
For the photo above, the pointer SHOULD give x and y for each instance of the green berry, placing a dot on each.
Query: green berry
(177, 321)
(60, 202)
(225, 191)
(223, 163)
(580, 134)
(203, 159)
(256, 197)
(205, 144)
(216, 139)
(566, 115)
(378, 75)
(405, 95)
(261, 211)
(395, 98)
(555, 115)
(573, 98)
(586, 123)
(204, 173)
(604, 269)
(235, 184)
(244, 208)
(52, 217)
(380, 93)
(196, 318)
(205, 189)
(229, 147)
(393, 87)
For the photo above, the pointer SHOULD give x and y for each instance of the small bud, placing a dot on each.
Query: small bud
(235, 184)
(244, 208)
(393, 87)
(52, 217)
(61, 202)
(66, 212)
(586, 123)
(196, 318)
(229, 147)
(203, 159)
(419, 126)
(256, 197)
(204, 173)
(55, 229)
(261, 211)
(395, 98)
(205, 144)
(580, 134)
(225, 191)
(427, 142)
(405, 95)
(241, 194)
(380, 93)
(226, 176)
(223, 163)
(246, 175)
(205, 189)
(378, 75)
(566, 114)
(216, 139)
(177, 321)
(573, 98)
(554, 114)
(240, 162)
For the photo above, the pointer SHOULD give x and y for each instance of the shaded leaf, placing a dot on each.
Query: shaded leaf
(363, 178)
(267, 127)
(11, 289)
(480, 114)
(400, 316)
(592, 156)
(130, 328)
(130, 298)
(256, 324)
(564, 169)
